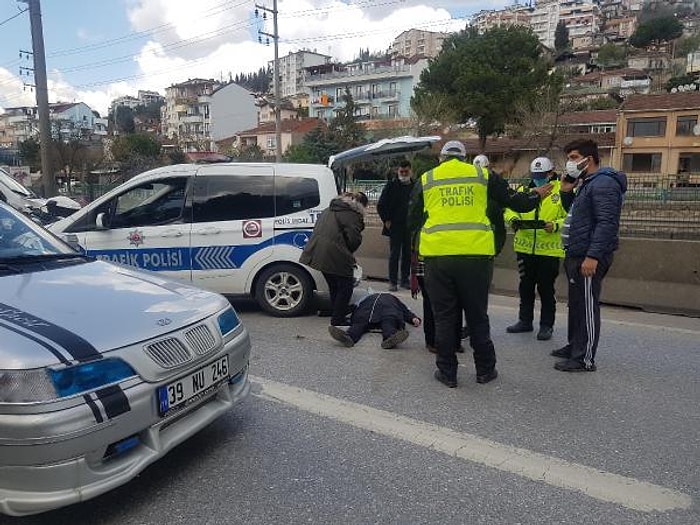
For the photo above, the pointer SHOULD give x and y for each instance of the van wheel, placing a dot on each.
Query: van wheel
(283, 290)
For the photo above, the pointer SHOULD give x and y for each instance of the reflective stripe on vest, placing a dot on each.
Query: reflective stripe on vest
(455, 199)
(540, 242)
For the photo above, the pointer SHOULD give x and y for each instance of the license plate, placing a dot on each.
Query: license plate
(193, 386)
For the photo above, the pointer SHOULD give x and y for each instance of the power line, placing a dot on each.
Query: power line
(13, 17)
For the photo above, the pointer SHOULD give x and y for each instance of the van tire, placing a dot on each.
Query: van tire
(284, 290)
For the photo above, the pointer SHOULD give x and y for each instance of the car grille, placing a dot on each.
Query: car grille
(168, 353)
(200, 339)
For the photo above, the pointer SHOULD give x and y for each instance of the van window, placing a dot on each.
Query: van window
(252, 197)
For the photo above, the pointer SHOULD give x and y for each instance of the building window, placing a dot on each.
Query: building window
(646, 127)
(271, 143)
(689, 163)
(393, 111)
(338, 93)
(641, 162)
(685, 125)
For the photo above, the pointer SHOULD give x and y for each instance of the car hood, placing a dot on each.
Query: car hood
(74, 312)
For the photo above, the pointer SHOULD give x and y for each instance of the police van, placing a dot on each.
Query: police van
(234, 228)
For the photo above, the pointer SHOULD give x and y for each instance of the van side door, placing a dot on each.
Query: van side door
(146, 226)
(233, 212)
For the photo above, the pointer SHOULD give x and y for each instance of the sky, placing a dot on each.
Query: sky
(98, 50)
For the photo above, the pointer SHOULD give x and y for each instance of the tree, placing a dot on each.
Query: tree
(561, 37)
(30, 153)
(344, 129)
(431, 111)
(611, 55)
(484, 76)
(124, 120)
(687, 45)
(136, 152)
(656, 31)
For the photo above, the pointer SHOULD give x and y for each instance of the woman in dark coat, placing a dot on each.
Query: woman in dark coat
(336, 237)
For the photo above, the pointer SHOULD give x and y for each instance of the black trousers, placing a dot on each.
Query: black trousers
(537, 272)
(456, 284)
(584, 308)
(399, 254)
(388, 325)
(340, 288)
(429, 319)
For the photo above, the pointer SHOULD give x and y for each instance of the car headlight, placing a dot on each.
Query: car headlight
(228, 321)
(89, 376)
(33, 386)
(25, 386)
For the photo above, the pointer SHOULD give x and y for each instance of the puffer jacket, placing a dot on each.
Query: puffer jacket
(336, 236)
(592, 226)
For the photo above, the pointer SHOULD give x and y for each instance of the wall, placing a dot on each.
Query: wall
(232, 110)
(654, 275)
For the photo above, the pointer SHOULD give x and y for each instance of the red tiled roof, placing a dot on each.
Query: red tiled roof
(624, 72)
(287, 126)
(604, 116)
(662, 101)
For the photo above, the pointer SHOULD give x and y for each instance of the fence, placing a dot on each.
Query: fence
(656, 206)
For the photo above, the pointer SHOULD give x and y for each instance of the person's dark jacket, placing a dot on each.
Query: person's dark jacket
(336, 236)
(377, 306)
(393, 204)
(499, 194)
(594, 215)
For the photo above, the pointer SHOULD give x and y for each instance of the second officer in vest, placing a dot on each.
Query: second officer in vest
(448, 207)
(538, 247)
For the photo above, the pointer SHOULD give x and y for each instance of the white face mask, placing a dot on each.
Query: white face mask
(575, 169)
(405, 178)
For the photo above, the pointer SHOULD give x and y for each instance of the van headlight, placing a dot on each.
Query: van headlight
(228, 321)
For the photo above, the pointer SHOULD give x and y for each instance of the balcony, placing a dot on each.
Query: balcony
(377, 72)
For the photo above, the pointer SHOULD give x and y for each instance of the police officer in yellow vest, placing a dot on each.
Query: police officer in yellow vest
(539, 249)
(448, 206)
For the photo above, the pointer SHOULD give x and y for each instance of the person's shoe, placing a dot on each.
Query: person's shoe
(519, 327)
(431, 349)
(460, 349)
(393, 340)
(545, 333)
(341, 336)
(450, 383)
(489, 376)
(573, 366)
(325, 313)
(564, 352)
(393, 288)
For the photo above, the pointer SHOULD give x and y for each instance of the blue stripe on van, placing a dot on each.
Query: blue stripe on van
(198, 257)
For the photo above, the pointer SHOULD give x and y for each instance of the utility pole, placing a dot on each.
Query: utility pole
(276, 73)
(48, 181)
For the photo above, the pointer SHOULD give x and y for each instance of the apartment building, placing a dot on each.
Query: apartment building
(416, 42)
(291, 71)
(581, 19)
(381, 89)
(659, 134)
(186, 115)
(516, 15)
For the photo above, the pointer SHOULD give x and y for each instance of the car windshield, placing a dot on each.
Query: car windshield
(21, 239)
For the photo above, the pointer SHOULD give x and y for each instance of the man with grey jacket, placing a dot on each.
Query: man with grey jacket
(330, 250)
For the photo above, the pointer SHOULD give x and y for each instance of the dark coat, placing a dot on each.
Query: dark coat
(378, 306)
(336, 236)
(393, 205)
(594, 221)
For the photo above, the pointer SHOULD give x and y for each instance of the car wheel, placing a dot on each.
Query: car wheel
(284, 290)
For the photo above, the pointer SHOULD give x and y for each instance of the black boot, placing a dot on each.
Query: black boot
(519, 327)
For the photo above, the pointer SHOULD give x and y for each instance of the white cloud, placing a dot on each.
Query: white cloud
(212, 39)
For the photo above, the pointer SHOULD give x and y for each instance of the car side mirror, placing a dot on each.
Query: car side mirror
(102, 221)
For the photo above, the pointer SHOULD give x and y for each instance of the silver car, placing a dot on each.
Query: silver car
(103, 368)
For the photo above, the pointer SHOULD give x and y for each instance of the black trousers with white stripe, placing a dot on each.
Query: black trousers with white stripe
(584, 308)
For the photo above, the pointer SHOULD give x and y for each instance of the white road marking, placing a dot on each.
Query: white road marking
(605, 486)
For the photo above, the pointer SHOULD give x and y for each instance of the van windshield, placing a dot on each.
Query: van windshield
(13, 185)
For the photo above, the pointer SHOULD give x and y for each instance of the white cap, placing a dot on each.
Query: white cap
(541, 165)
(482, 161)
(453, 148)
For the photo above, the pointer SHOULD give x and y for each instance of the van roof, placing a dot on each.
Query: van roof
(291, 168)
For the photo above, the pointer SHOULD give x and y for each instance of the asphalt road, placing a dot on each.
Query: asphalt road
(359, 436)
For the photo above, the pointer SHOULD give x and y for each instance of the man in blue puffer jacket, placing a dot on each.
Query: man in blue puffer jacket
(590, 237)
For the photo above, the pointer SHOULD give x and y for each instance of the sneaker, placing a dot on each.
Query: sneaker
(393, 340)
(450, 383)
(545, 333)
(431, 349)
(393, 288)
(519, 327)
(341, 336)
(573, 366)
(564, 352)
(489, 376)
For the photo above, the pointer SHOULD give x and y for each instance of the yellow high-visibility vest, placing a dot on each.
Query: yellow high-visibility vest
(540, 242)
(455, 199)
